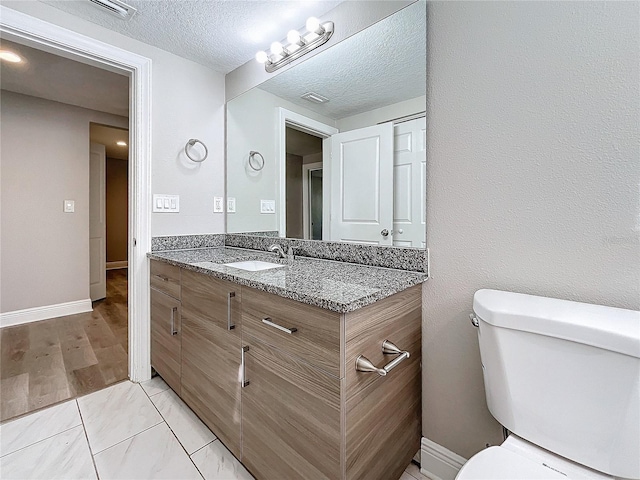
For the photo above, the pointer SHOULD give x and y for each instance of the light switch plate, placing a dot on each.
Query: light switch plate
(166, 203)
(231, 204)
(69, 206)
(218, 204)
(267, 206)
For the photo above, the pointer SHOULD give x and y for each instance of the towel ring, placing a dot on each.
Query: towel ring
(259, 164)
(191, 143)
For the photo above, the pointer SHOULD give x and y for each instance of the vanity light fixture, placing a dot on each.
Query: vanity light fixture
(120, 143)
(298, 44)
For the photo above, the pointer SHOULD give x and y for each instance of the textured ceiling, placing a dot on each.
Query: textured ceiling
(222, 34)
(381, 65)
(108, 136)
(49, 76)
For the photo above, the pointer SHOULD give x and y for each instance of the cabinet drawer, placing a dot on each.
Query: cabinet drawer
(316, 338)
(166, 278)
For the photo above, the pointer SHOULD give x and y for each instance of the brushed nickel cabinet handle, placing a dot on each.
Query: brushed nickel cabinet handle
(164, 278)
(267, 321)
(174, 310)
(363, 364)
(243, 365)
(230, 295)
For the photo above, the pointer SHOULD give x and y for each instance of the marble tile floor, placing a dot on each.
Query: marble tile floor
(126, 431)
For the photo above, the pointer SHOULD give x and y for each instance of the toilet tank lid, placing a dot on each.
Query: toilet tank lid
(610, 328)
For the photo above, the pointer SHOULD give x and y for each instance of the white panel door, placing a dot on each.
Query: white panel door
(97, 223)
(409, 183)
(361, 184)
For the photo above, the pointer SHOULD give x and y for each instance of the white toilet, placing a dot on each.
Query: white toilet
(564, 378)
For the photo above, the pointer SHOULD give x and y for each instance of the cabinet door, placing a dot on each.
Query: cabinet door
(290, 417)
(165, 338)
(211, 346)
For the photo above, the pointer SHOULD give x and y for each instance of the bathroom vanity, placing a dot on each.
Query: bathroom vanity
(267, 359)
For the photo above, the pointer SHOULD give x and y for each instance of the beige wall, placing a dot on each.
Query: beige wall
(44, 253)
(117, 209)
(533, 173)
(294, 196)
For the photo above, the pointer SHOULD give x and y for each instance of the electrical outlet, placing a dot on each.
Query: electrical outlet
(231, 204)
(69, 206)
(267, 206)
(218, 205)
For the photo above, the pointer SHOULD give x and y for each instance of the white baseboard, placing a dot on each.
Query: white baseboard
(439, 463)
(35, 314)
(116, 265)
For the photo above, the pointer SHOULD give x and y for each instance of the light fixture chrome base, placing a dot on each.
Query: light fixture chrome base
(271, 67)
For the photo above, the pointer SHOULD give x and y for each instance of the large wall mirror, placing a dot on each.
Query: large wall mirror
(340, 142)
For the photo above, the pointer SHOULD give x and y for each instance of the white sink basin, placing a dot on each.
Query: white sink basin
(253, 265)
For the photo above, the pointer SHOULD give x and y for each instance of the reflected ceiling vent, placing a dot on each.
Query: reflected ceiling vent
(315, 97)
(115, 7)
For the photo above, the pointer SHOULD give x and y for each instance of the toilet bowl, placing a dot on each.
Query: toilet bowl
(517, 459)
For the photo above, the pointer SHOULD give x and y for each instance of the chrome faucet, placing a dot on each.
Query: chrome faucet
(278, 249)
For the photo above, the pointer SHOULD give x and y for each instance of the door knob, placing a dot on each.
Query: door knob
(384, 232)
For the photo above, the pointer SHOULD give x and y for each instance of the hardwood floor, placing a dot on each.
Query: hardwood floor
(46, 362)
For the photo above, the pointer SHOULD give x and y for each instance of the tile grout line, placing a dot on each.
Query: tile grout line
(84, 429)
(174, 433)
(42, 439)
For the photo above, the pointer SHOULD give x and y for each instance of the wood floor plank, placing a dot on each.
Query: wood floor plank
(49, 361)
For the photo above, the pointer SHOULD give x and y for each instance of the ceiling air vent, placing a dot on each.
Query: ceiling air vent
(115, 7)
(314, 97)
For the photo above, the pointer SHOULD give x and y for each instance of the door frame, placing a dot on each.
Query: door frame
(306, 170)
(55, 39)
(304, 124)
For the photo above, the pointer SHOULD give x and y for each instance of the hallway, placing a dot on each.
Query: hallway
(46, 362)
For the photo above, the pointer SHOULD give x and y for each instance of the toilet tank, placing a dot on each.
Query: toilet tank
(564, 375)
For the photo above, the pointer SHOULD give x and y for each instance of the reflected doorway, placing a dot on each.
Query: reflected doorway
(304, 200)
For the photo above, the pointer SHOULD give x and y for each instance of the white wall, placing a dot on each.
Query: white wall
(187, 102)
(533, 168)
(252, 120)
(45, 159)
(383, 114)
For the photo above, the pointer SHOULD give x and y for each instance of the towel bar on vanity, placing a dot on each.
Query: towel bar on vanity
(363, 364)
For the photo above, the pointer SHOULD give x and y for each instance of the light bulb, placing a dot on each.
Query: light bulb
(277, 48)
(313, 25)
(293, 37)
(262, 57)
(10, 56)
(120, 143)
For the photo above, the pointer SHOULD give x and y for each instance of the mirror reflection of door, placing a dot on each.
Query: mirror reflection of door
(303, 199)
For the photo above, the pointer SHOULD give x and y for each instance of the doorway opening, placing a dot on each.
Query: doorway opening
(54, 39)
(303, 185)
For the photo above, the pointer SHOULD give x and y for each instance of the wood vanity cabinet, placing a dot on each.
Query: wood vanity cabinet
(166, 343)
(276, 379)
(211, 354)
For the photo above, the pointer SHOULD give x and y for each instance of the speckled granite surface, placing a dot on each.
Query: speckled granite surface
(341, 287)
(183, 242)
(412, 259)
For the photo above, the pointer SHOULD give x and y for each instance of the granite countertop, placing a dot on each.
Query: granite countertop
(340, 287)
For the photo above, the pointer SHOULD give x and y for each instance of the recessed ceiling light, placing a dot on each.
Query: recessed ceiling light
(121, 143)
(10, 56)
